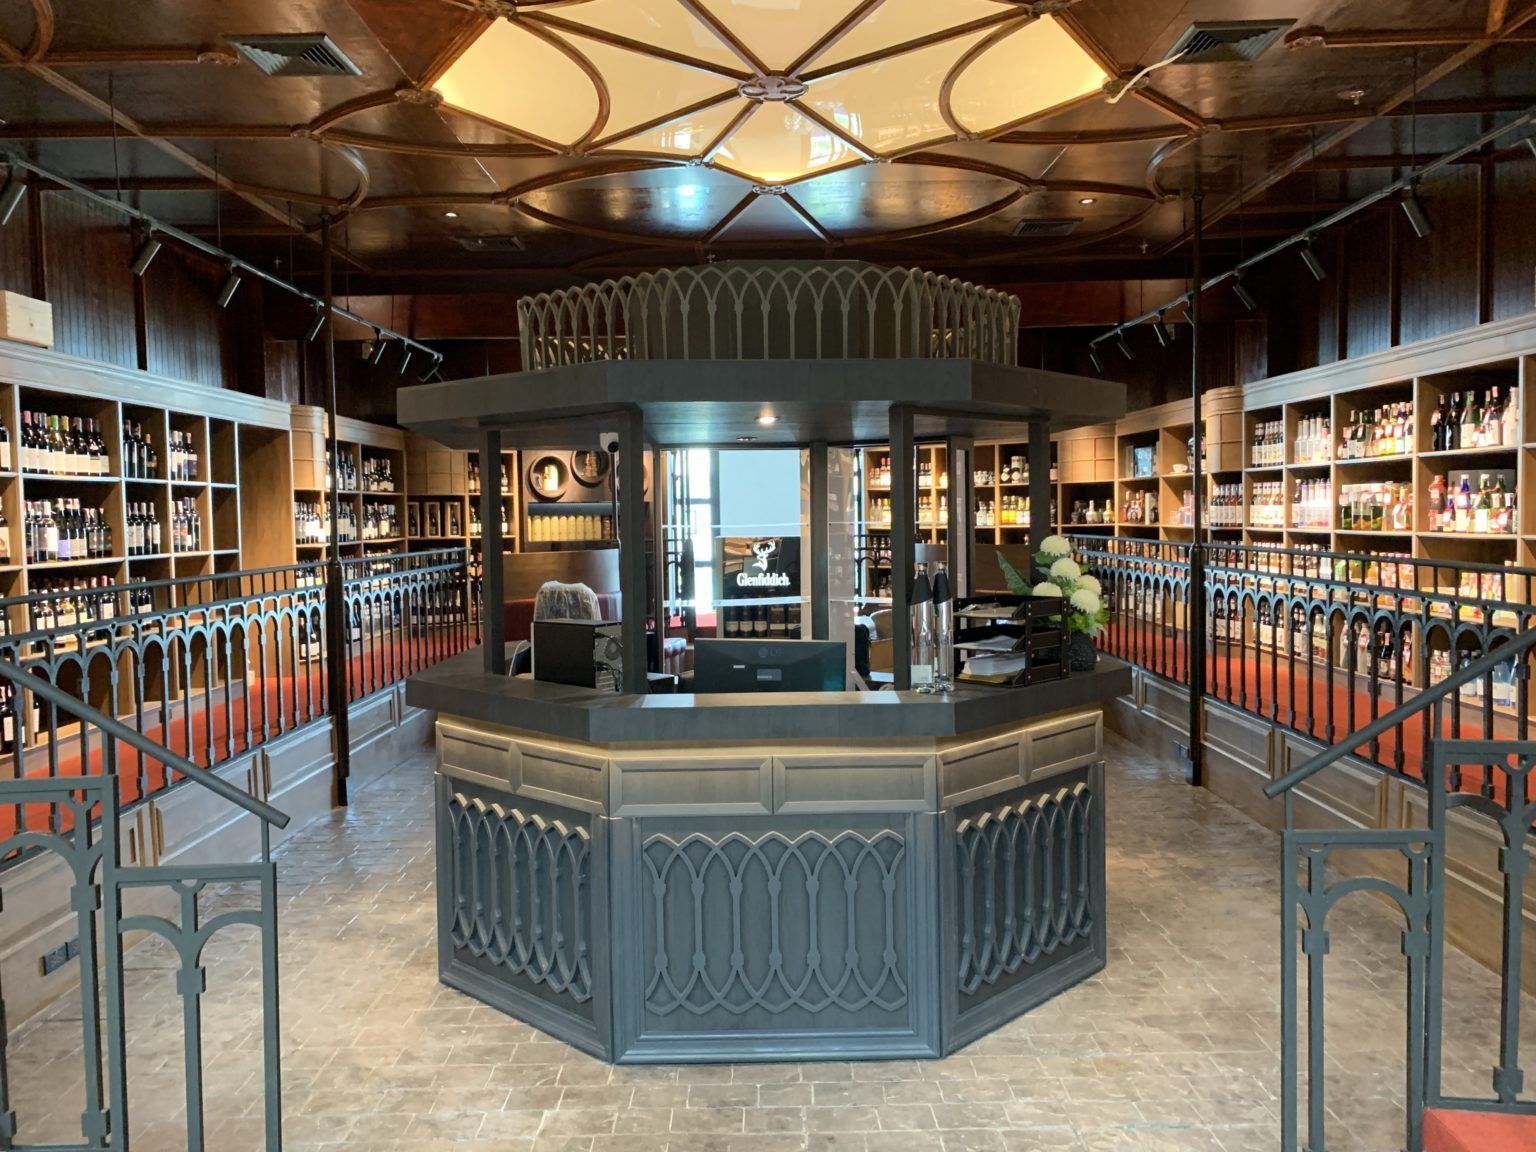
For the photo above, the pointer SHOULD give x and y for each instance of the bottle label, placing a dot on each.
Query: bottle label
(922, 674)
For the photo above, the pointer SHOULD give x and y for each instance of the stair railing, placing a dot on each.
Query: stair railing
(1504, 792)
(76, 817)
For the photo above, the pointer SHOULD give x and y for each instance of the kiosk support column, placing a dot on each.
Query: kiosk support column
(1040, 525)
(821, 617)
(903, 553)
(632, 557)
(493, 617)
(960, 451)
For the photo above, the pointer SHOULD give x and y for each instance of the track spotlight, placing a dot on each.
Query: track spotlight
(378, 348)
(1098, 364)
(1314, 265)
(433, 365)
(1125, 349)
(231, 286)
(405, 361)
(1163, 330)
(1413, 208)
(1240, 290)
(146, 255)
(1530, 142)
(316, 325)
(1169, 329)
(10, 199)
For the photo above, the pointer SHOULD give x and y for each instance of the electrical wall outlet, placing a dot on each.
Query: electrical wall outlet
(52, 961)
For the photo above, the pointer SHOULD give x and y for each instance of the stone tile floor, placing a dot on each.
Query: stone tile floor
(1174, 1048)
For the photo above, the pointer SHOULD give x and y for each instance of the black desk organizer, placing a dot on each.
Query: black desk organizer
(1036, 624)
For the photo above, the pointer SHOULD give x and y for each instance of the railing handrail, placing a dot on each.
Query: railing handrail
(145, 747)
(1480, 667)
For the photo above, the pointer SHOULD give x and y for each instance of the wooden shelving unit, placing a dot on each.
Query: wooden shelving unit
(367, 513)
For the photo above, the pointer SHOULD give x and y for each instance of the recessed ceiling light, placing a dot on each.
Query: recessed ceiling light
(1088, 200)
(451, 215)
(746, 439)
(768, 420)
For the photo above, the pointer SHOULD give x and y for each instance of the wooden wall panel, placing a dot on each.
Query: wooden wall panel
(1366, 283)
(87, 251)
(1514, 238)
(282, 370)
(16, 250)
(1440, 272)
(187, 335)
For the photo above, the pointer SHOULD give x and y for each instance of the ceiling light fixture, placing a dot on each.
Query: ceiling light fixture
(10, 199)
(405, 361)
(1240, 290)
(451, 215)
(1098, 363)
(230, 287)
(316, 325)
(1168, 327)
(1314, 265)
(884, 85)
(379, 348)
(767, 419)
(1530, 142)
(146, 255)
(1087, 200)
(1164, 337)
(1125, 348)
(746, 439)
(1413, 208)
(434, 362)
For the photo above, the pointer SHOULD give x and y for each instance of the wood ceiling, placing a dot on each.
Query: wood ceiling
(148, 98)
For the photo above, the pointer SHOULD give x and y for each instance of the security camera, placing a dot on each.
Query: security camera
(608, 441)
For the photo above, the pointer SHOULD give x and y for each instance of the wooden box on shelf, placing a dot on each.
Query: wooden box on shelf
(25, 320)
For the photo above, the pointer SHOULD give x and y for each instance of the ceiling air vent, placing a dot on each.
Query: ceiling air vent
(1226, 42)
(492, 243)
(296, 54)
(1032, 229)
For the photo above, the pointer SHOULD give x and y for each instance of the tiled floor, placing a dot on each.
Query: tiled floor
(1174, 1047)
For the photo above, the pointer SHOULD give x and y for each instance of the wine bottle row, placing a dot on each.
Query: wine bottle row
(63, 446)
(142, 523)
(184, 460)
(1376, 507)
(474, 478)
(140, 460)
(1489, 510)
(1384, 431)
(312, 523)
(55, 531)
(380, 522)
(378, 475)
(1476, 418)
(186, 526)
(347, 470)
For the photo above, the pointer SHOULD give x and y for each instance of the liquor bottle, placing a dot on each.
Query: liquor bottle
(1509, 429)
(1483, 506)
(1463, 513)
(1437, 503)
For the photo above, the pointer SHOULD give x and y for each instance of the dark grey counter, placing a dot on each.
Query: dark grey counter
(459, 687)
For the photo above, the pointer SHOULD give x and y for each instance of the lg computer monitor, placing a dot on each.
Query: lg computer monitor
(770, 666)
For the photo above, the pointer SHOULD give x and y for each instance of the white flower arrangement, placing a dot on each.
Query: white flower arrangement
(1064, 578)
(1066, 569)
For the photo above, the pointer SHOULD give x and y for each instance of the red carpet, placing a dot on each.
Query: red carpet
(1478, 1132)
(209, 736)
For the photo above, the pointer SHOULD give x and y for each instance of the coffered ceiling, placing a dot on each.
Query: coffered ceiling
(529, 143)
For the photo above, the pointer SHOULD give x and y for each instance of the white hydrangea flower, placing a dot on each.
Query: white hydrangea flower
(1046, 588)
(1056, 546)
(1085, 601)
(1091, 583)
(1065, 569)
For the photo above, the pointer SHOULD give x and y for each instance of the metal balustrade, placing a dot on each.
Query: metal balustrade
(212, 667)
(1323, 643)
(76, 820)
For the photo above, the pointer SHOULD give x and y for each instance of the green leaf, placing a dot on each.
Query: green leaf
(1017, 584)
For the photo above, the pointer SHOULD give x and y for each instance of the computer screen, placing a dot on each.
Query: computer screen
(771, 666)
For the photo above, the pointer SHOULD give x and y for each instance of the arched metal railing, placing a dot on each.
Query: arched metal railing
(770, 311)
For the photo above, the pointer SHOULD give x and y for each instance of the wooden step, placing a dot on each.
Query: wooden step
(1478, 1132)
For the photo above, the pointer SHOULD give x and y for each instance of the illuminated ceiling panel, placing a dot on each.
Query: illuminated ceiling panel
(777, 144)
(508, 74)
(1035, 67)
(898, 22)
(668, 70)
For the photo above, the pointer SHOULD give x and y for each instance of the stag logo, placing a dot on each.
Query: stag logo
(764, 550)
